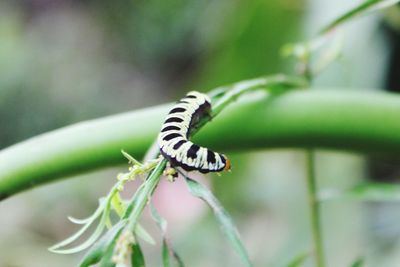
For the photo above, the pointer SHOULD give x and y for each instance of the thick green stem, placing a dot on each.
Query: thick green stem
(315, 216)
(356, 121)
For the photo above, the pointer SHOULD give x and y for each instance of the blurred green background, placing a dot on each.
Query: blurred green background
(64, 61)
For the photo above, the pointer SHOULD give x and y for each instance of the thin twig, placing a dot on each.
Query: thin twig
(315, 216)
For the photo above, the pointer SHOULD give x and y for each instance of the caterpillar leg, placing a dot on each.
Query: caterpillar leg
(171, 173)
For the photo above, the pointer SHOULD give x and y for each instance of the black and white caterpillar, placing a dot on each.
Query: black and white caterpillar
(173, 138)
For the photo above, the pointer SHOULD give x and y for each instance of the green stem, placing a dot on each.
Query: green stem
(139, 202)
(349, 120)
(315, 216)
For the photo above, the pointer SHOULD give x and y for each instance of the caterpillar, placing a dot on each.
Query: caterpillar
(173, 138)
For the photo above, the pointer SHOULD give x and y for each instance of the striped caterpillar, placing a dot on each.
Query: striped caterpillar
(173, 138)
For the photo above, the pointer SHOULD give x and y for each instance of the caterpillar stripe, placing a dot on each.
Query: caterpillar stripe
(173, 138)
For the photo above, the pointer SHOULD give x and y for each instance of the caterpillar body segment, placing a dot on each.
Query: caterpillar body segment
(173, 138)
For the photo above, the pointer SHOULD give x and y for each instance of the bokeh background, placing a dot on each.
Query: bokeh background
(64, 61)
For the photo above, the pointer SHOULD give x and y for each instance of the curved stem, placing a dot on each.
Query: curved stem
(338, 119)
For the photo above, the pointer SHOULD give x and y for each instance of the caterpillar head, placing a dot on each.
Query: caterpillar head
(227, 164)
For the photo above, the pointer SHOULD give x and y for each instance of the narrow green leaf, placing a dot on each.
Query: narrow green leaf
(137, 258)
(144, 235)
(223, 218)
(106, 260)
(167, 249)
(165, 254)
(92, 217)
(177, 258)
(117, 253)
(161, 222)
(97, 251)
(117, 249)
(81, 231)
(95, 235)
(70, 239)
(81, 221)
(118, 204)
(169, 256)
(362, 9)
(299, 260)
(130, 158)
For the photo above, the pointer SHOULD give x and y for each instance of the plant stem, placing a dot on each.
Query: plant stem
(315, 216)
(356, 121)
(145, 193)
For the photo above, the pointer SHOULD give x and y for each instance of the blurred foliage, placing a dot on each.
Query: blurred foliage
(56, 55)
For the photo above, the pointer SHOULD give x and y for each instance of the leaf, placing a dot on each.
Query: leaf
(161, 222)
(144, 235)
(97, 251)
(168, 254)
(176, 257)
(327, 36)
(118, 204)
(88, 221)
(137, 257)
(95, 235)
(130, 158)
(362, 9)
(91, 218)
(167, 249)
(165, 254)
(299, 260)
(106, 260)
(223, 218)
